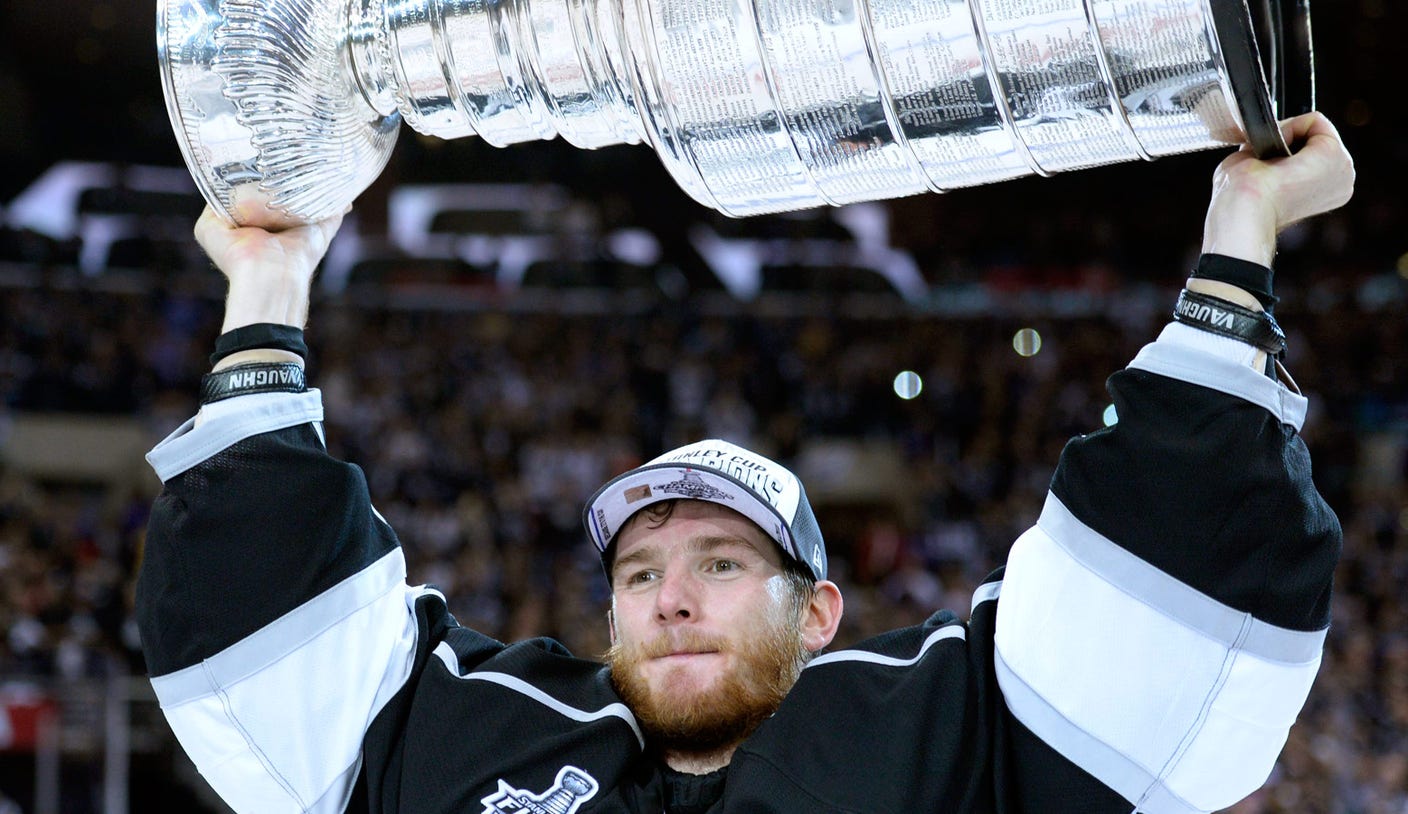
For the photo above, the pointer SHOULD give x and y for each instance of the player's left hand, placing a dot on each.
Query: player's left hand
(1317, 178)
(1254, 199)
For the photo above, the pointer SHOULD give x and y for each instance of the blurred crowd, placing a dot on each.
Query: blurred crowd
(482, 431)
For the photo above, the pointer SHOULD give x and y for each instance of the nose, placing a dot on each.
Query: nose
(677, 599)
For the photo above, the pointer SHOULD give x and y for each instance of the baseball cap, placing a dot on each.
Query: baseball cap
(756, 487)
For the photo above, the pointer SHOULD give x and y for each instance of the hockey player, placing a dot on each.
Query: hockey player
(1146, 648)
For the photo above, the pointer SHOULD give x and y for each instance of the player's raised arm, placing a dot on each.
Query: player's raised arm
(274, 614)
(1161, 625)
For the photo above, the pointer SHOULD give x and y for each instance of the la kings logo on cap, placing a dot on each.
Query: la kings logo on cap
(572, 788)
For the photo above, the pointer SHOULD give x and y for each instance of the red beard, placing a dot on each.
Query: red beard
(736, 702)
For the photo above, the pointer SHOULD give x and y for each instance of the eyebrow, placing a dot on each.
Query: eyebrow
(703, 544)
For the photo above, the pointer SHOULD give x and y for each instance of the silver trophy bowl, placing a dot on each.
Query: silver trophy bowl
(273, 125)
(286, 110)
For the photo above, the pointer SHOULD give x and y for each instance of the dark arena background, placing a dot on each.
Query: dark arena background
(497, 331)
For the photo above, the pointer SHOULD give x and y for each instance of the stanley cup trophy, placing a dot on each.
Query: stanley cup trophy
(286, 110)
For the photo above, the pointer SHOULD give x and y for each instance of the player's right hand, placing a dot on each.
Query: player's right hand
(270, 272)
(252, 250)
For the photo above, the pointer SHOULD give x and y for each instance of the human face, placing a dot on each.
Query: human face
(706, 636)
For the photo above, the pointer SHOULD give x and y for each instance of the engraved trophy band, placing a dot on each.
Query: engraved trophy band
(286, 110)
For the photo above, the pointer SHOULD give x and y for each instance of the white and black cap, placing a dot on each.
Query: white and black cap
(760, 489)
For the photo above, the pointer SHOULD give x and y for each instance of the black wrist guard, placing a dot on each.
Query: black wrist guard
(260, 377)
(1229, 319)
(1253, 278)
(262, 335)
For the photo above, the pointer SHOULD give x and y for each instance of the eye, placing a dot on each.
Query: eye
(639, 577)
(724, 566)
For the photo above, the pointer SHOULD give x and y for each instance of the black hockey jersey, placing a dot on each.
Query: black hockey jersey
(1147, 647)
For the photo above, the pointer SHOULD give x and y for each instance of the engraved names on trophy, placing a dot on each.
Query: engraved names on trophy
(1051, 75)
(931, 58)
(753, 105)
(1161, 59)
(712, 72)
(831, 98)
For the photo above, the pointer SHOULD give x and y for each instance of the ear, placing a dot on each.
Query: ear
(823, 616)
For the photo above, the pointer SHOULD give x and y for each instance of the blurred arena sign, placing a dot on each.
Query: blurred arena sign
(286, 110)
(24, 712)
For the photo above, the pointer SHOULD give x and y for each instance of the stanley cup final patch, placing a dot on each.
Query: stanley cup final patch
(692, 486)
(572, 788)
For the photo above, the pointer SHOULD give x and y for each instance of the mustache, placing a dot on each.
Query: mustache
(666, 643)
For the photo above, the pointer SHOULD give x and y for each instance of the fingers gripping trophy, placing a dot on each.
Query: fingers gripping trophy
(286, 110)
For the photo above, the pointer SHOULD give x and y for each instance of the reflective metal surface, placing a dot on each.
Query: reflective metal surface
(753, 105)
(271, 123)
(1048, 68)
(941, 86)
(1163, 61)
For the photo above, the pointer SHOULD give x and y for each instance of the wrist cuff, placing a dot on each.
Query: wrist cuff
(1253, 278)
(242, 380)
(1228, 319)
(260, 335)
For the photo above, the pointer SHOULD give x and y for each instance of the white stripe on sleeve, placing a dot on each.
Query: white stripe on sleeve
(953, 631)
(1199, 357)
(229, 421)
(275, 722)
(446, 654)
(1177, 702)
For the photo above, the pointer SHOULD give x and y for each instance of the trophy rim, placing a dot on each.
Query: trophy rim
(1298, 89)
(1252, 87)
(198, 171)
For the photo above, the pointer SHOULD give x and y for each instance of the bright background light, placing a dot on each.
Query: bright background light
(1027, 342)
(908, 384)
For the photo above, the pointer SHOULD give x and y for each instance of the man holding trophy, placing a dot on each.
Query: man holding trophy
(1150, 639)
(1146, 648)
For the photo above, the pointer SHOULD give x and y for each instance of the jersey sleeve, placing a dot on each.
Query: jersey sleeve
(1161, 624)
(272, 603)
(303, 674)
